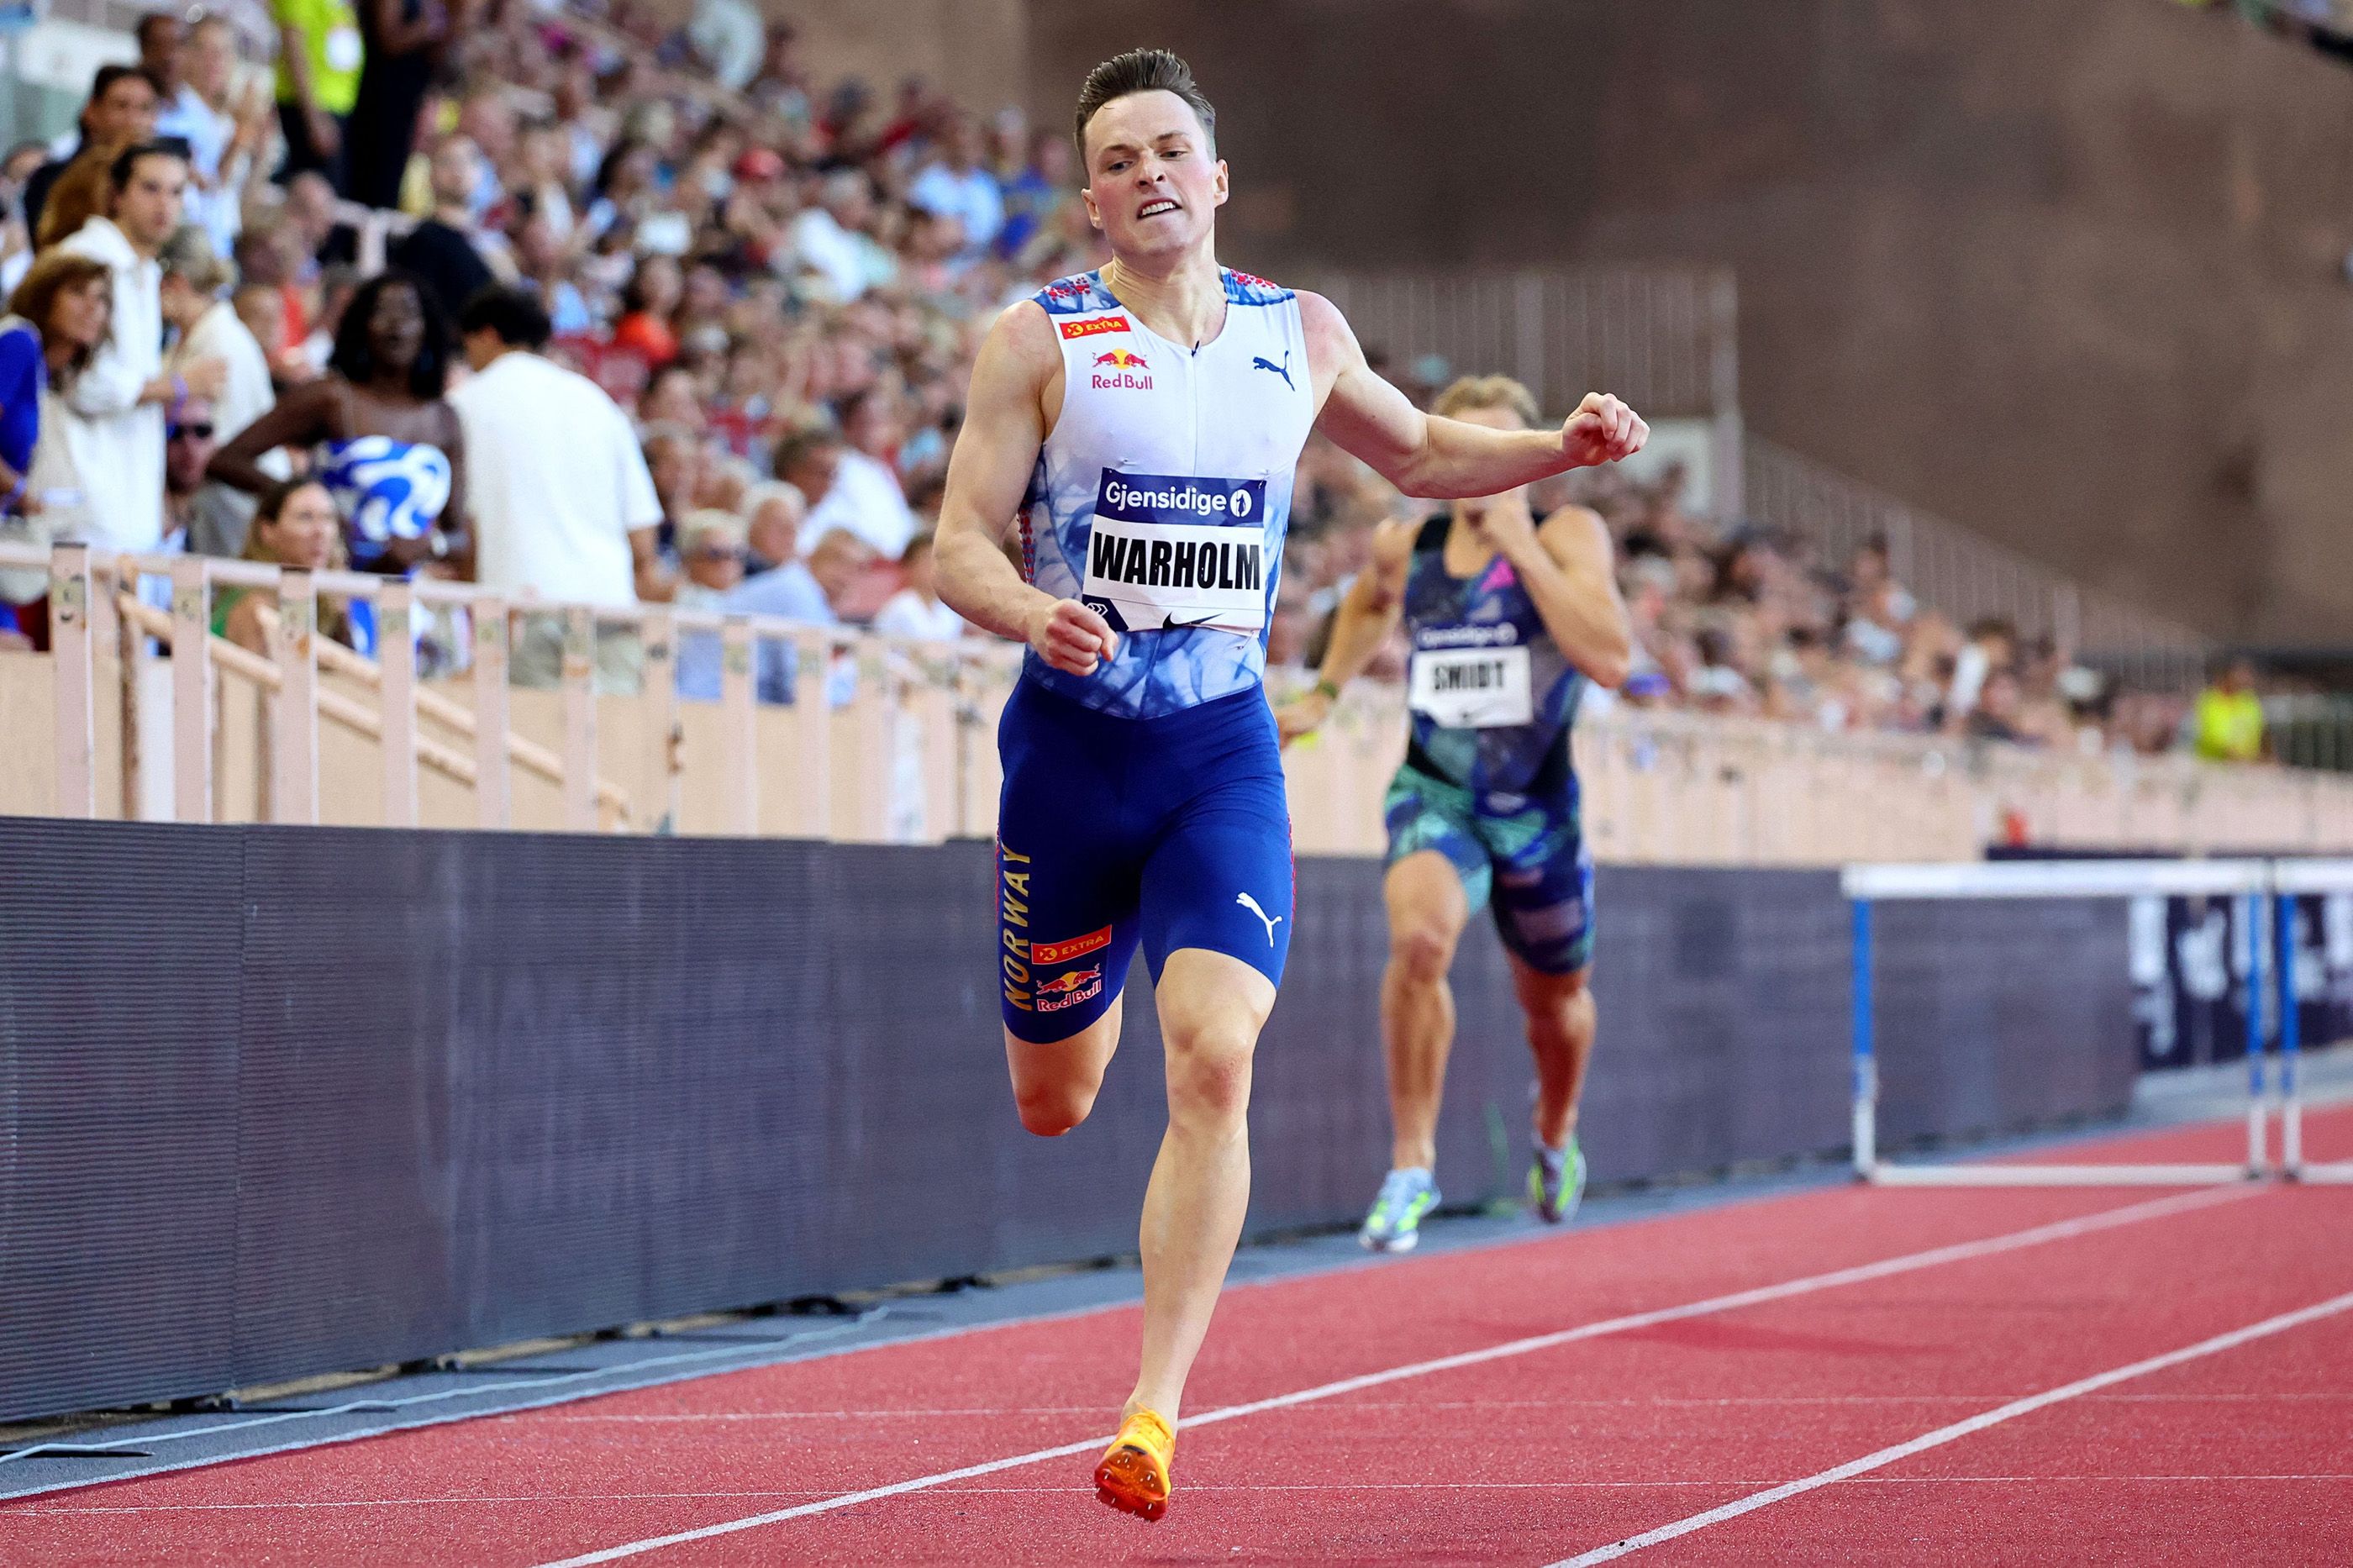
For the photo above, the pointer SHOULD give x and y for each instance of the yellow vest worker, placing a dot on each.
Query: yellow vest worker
(2230, 725)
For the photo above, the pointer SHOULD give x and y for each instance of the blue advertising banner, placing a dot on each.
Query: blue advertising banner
(2193, 964)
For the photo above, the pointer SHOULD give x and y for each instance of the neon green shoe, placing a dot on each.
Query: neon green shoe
(1394, 1224)
(1555, 1187)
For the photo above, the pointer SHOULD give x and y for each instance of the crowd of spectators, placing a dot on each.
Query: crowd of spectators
(664, 319)
(777, 292)
(1750, 622)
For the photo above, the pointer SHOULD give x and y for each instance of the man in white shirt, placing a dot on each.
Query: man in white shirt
(562, 504)
(832, 241)
(916, 611)
(846, 490)
(117, 444)
(956, 186)
(220, 150)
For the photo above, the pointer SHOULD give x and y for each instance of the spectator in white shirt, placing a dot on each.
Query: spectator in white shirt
(830, 239)
(178, 110)
(846, 490)
(223, 128)
(729, 37)
(191, 66)
(194, 282)
(958, 187)
(915, 611)
(119, 439)
(561, 502)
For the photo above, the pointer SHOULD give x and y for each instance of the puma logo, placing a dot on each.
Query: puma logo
(1259, 361)
(1251, 905)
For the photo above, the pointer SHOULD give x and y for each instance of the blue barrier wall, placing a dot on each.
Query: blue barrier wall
(278, 1101)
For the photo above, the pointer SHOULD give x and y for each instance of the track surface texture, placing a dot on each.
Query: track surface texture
(2095, 1375)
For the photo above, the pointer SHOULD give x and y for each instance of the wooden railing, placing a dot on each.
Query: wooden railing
(138, 712)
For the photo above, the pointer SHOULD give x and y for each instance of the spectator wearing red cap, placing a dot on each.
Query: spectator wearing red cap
(753, 210)
(759, 165)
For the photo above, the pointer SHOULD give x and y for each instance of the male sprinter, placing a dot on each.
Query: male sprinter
(1143, 422)
(1508, 620)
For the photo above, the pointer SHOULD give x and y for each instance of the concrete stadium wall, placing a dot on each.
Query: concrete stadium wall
(2068, 274)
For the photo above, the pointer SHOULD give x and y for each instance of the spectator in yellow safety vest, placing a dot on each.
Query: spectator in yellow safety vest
(2228, 722)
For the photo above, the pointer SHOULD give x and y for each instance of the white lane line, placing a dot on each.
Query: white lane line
(1959, 1252)
(1662, 1402)
(1960, 1429)
(65, 1512)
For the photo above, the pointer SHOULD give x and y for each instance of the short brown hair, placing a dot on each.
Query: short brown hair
(1141, 70)
(1488, 392)
(800, 446)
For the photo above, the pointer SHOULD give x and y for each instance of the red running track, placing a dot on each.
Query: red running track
(1646, 1402)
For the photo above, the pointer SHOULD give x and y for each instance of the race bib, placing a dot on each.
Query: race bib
(1170, 554)
(1472, 688)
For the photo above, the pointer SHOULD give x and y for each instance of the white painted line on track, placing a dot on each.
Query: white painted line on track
(55, 1510)
(1662, 1402)
(1960, 1429)
(1959, 1252)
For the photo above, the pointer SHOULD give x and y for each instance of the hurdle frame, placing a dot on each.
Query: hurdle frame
(2250, 881)
(2291, 878)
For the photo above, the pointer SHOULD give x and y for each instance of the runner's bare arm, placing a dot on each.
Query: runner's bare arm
(988, 475)
(1440, 459)
(1368, 612)
(1568, 569)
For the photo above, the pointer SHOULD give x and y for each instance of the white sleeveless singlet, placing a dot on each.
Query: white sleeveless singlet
(1162, 497)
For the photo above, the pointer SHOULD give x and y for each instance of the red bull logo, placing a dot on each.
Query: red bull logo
(1070, 989)
(1121, 370)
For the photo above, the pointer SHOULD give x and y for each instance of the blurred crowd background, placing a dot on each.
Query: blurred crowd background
(246, 292)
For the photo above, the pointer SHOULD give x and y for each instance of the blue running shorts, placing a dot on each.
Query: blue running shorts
(1171, 830)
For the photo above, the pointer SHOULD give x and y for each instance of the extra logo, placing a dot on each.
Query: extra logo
(1095, 325)
(1121, 370)
(1047, 952)
(1070, 989)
